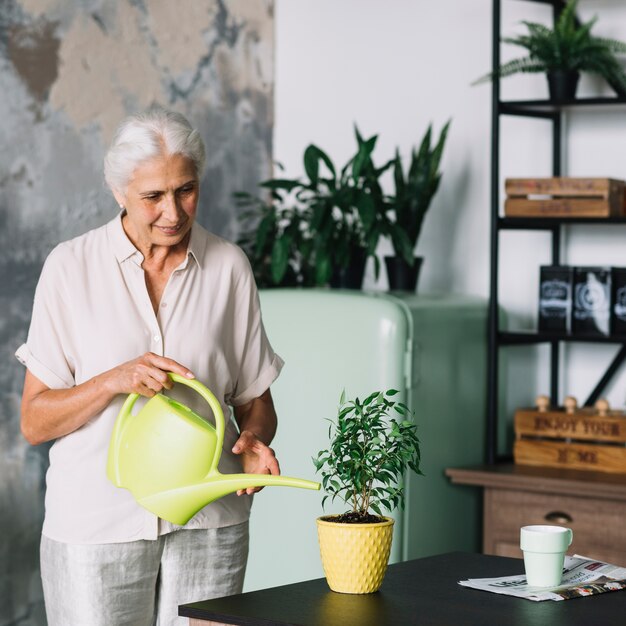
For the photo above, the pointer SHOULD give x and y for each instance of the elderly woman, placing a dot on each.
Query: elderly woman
(115, 310)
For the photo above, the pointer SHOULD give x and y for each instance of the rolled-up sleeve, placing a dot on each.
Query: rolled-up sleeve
(45, 352)
(259, 365)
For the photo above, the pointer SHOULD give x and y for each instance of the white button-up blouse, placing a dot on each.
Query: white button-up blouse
(91, 313)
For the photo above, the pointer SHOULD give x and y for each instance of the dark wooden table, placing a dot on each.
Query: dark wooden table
(423, 591)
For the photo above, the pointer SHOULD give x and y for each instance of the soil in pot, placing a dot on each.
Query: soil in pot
(354, 517)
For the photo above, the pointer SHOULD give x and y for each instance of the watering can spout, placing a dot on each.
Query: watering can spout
(181, 504)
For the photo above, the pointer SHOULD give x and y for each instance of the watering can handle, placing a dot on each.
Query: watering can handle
(118, 428)
(216, 408)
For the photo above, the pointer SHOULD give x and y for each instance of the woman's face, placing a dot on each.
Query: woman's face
(160, 201)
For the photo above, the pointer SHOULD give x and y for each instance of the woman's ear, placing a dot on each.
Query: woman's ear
(119, 198)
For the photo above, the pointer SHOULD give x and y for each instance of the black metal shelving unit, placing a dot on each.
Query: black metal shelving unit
(544, 110)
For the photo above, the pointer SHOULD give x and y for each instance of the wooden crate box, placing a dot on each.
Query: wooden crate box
(564, 197)
(581, 439)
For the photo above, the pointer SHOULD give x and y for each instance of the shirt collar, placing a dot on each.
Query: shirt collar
(123, 247)
(197, 244)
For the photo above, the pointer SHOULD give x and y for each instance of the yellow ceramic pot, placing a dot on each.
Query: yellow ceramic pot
(354, 556)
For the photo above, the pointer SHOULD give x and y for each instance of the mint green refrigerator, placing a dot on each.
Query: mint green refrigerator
(433, 350)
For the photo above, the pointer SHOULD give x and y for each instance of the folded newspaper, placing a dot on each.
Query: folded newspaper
(581, 577)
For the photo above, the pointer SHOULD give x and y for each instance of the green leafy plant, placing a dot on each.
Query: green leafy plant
(414, 192)
(310, 228)
(343, 203)
(276, 238)
(372, 442)
(570, 46)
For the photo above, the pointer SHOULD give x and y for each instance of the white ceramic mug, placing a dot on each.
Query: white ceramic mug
(544, 550)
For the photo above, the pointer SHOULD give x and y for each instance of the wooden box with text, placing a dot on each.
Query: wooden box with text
(564, 197)
(581, 439)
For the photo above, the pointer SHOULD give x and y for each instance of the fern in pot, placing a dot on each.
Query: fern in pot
(563, 52)
(372, 444)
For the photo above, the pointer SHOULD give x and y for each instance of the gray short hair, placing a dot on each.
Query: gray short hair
(147, 135)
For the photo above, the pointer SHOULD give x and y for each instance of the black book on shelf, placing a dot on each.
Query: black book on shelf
(555, 298)
(618, 301)
(592, 301)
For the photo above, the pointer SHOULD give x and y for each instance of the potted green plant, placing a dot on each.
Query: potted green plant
(372, 444)
(276, 237)
(318, 230)
(408, 205)
(563, 52)
(345, 220)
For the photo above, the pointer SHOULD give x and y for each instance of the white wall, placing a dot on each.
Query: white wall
(392, 66)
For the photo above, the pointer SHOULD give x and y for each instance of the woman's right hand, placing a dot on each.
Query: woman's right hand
(145, 375)
(52, 413)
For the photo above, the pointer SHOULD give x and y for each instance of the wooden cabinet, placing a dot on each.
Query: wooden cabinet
(592, 504)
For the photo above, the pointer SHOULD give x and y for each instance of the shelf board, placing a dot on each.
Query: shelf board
(529, 338)
(548, 223)
(520, 107)
(506, 475)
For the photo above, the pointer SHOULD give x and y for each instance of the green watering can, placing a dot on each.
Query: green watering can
(167, 457)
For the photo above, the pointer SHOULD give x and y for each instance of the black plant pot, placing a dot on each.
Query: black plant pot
(351, 276)
(562, 85)
(401, 275)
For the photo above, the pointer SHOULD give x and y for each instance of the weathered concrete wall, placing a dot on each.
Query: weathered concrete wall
(69, 71)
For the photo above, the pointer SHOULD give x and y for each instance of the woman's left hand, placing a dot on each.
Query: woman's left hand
(256, 458)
